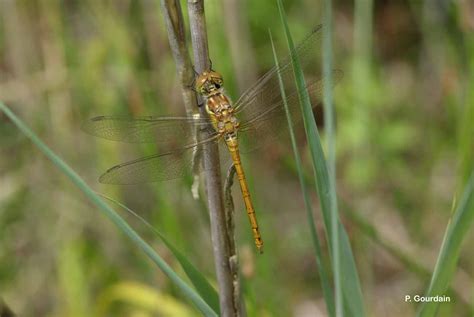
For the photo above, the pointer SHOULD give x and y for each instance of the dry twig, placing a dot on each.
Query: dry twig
(219, 235)
(239, 306)
(177, 37)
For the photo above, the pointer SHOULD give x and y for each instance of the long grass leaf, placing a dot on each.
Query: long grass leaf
(347, 271)
(331, 151)
(327, 292)
(111, 214)
(207, 292)
(445, 267)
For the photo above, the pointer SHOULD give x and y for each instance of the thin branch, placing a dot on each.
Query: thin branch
(197, 24)
(229, 207)
(234, 263)
(173, 16)
(219, 235)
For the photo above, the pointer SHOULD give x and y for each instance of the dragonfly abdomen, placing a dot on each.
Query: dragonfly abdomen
(232, 145)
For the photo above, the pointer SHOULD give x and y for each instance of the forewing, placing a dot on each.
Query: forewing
(271, 122)
(266, 92)
(167, 132)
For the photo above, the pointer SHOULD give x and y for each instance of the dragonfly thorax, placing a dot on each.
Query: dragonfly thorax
(222, 114)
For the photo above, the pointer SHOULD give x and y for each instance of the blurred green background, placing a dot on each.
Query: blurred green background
(405, 133)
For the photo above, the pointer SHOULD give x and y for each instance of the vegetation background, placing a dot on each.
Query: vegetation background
(405, 133)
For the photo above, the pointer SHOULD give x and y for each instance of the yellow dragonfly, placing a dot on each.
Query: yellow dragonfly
(256, 118)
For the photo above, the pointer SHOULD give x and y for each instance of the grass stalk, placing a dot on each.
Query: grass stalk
(347, 271)
(327, 292)
(174, 22)
(461, 221)
(222, 255)
(329, 129)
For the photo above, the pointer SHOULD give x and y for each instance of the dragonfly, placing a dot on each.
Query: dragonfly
(257, 118)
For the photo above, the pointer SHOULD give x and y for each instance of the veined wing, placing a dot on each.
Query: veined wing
(167, 132)
(157, 167)
(266, 93)
(270, 122)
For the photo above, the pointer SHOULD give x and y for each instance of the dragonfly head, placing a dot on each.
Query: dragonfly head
(209, 83)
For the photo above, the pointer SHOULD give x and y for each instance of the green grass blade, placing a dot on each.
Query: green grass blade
(445, 267)
(207, 292)
(346, 273)
(331, 151)
(200, 304)
(326, 287)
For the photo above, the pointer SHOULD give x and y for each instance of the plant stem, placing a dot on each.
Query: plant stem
(239, 306)
(174, 21)
(219, 233)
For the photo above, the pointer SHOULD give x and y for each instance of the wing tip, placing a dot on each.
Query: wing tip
(97, 118)
(317, 28)
(112, 176)
(87, 125)
(107, 176)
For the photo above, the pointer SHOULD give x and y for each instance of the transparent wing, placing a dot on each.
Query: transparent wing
(167, 132)
(266, 93)
(271, 122)
(157, 167)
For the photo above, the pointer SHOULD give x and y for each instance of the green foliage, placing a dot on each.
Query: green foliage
(405, 146)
